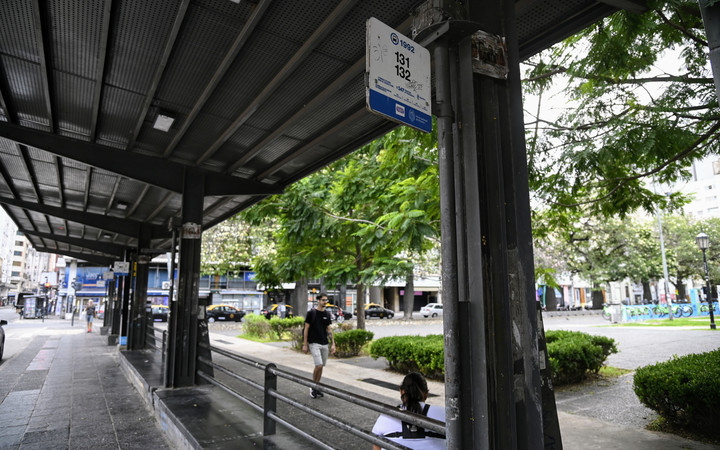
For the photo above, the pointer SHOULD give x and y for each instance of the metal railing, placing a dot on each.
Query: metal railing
(151, 340)
(272, 395)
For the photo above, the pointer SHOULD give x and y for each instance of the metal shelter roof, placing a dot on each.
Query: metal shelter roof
(262, 93)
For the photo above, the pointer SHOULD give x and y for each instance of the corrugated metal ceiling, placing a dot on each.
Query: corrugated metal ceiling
(262, 91)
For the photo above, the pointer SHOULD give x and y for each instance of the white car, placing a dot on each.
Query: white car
(432, 310)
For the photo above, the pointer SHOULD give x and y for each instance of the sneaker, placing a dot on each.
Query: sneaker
(313, 393)
(319, 394)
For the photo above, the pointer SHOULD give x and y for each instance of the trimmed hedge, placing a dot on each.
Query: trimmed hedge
(424, 354)
(573, 354)
(684, 390)
(349, 343)
(258, 326)
(282, 326)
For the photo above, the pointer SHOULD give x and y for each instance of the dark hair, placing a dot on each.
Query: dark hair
(415, 390)
(321, 295)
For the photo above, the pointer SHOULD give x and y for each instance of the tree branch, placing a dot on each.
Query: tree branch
(623, 181)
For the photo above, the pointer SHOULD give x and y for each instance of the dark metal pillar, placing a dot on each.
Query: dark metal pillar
(138, 316)
(711, 19)
(492, 361)
(125, 300)
(184, 335)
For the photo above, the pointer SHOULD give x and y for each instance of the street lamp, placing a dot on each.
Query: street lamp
(703, 242)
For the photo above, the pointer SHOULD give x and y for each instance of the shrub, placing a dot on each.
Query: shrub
(574, 354)
(257, 325)
(424, 354)
(349, 343)
(281, 326)
(684, 390)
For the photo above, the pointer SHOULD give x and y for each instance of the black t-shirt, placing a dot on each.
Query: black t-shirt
(319, 321)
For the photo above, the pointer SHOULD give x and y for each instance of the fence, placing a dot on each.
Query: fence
(272, 395)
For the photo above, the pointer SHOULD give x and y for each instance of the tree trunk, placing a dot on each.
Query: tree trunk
(682, 293)
(360, 290)
(409, 296)
(597, 299)
(299, 298)
(550, 299)
(342, 289)
(360, 306)
(647, 294)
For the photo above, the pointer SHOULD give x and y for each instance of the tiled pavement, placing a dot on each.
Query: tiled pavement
(67, 392)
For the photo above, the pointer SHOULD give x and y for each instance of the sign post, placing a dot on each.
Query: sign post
(398, 77)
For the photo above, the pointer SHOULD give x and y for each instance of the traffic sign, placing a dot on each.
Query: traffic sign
(121, 268)
(398, 77)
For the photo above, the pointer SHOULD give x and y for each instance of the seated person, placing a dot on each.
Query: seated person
(413, 393)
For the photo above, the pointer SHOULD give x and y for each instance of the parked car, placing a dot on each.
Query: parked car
(378, 311)
(432, 310)
(2, 337)
(273, 310)
(160, 313)
(224, 313)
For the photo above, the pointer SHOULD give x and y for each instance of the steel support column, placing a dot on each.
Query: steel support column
(125, 302)
(492, 362)
(138, 315)
(711, 19)
(183, 326)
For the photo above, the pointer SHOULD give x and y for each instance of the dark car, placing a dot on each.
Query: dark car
(224, 313)
(160, 313)
(2, 337)
(378, 311)
(274, 310)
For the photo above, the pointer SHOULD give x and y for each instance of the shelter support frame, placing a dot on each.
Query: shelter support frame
(496, 396)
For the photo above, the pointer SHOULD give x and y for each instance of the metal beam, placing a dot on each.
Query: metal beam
(159, 70)
(44, 71)
(636, 6)
(100, 68)
(127, 227)
(230, 56)
(148, 169)
(110, 249)
(101, 260)
(322, 31)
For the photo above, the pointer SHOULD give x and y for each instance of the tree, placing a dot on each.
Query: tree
(687, 261)
(363, 219)
(629, 122)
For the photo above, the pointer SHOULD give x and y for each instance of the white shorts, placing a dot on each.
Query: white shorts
(319, 353)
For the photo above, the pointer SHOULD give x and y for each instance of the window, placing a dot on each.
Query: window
(17, 253)
(19, 244)
(17, 263)
(15, 274)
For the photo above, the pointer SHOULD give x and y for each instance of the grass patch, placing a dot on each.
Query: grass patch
(612, 372)
(254, 338)
(664, 426)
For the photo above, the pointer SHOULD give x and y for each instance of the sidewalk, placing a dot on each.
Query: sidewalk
(66, 392)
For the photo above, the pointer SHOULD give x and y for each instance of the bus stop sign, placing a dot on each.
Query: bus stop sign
(398, 77)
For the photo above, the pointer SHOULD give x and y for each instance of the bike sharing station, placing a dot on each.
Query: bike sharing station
(112, 151)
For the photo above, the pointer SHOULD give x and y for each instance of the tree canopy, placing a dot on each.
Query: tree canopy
(629, 121)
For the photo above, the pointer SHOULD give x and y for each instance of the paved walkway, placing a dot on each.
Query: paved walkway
(67, 392)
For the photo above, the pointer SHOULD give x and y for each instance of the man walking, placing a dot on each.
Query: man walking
(315, 338)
